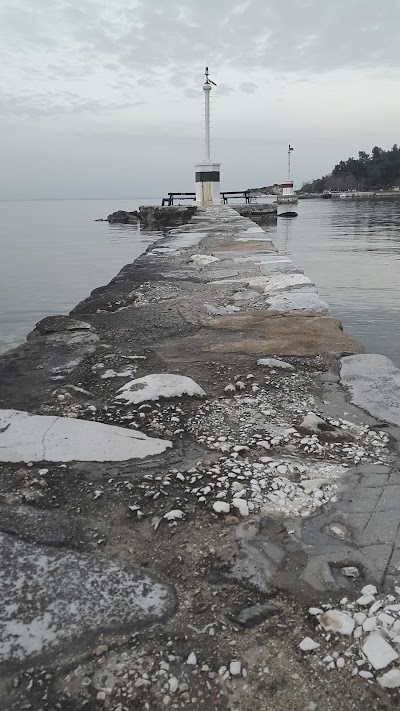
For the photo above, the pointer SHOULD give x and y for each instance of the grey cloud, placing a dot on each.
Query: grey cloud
(156, 43)
(192, 93)
(225, 89)
(290, 35)
(92, 62)
(248, 87)
(49, 104)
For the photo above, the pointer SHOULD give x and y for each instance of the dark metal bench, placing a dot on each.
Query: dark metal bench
(225, 195)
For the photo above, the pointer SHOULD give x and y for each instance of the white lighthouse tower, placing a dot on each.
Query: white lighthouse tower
(207, 172)
(288, 200)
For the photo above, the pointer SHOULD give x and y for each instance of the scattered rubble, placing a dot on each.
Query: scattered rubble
(373, 624)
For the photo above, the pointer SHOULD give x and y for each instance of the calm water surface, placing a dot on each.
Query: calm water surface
(52, 254)
(351, 250)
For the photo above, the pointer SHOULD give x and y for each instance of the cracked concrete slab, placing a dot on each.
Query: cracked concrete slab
(300, 299)
(373, 382)
(53, 600)
(234, 247)
(263, 333)
(316, 555)
(35, 438)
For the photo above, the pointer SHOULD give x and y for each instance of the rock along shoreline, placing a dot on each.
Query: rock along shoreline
(200, 492)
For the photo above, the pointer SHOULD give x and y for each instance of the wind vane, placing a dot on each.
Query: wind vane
(208, 80)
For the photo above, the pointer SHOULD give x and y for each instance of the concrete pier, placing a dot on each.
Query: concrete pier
(197, 463)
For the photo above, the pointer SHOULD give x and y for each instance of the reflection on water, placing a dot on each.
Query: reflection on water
(53, 254)
(351, 250)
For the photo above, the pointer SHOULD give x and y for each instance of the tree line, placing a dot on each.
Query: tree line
(379, 170)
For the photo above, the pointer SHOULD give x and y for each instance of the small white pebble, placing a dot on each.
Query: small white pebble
(235, 668)
(173, 684)
(308, 645)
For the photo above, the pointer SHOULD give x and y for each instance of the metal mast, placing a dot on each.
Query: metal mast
(289, 156)
(207, 90)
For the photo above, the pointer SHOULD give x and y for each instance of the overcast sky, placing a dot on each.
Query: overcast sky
(102, 98)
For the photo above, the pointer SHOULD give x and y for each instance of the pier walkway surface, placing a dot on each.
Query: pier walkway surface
(200, 492)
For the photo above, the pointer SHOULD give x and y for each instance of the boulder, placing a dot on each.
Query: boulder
(121, 217)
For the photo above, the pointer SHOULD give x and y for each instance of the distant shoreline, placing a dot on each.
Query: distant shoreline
(350, 195)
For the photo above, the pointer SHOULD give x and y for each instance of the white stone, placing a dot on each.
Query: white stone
(312, 422)
(337, 621)
(311, 485)
(274, 363)
(308, 645)
(350, 572)
(298, 300)
(275, 263)
(221, 507)
(365, 600)
(387, 620)
(360, 617)
(369, 624)
(173, 684)
(282, 282)
(315, 611)
(35, 438)
(375, 607)
(390, 680)
(369, 590)
(242, 506)
(173, 515)
(264, 443)
(378, 652)
(153, 387)
(235, 668)
(203, 260)
(192, 659)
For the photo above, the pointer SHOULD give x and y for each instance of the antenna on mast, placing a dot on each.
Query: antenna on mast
(207, 76)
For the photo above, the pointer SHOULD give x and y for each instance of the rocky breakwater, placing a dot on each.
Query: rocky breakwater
(199, 492)
(261, 213)
(153, 217)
